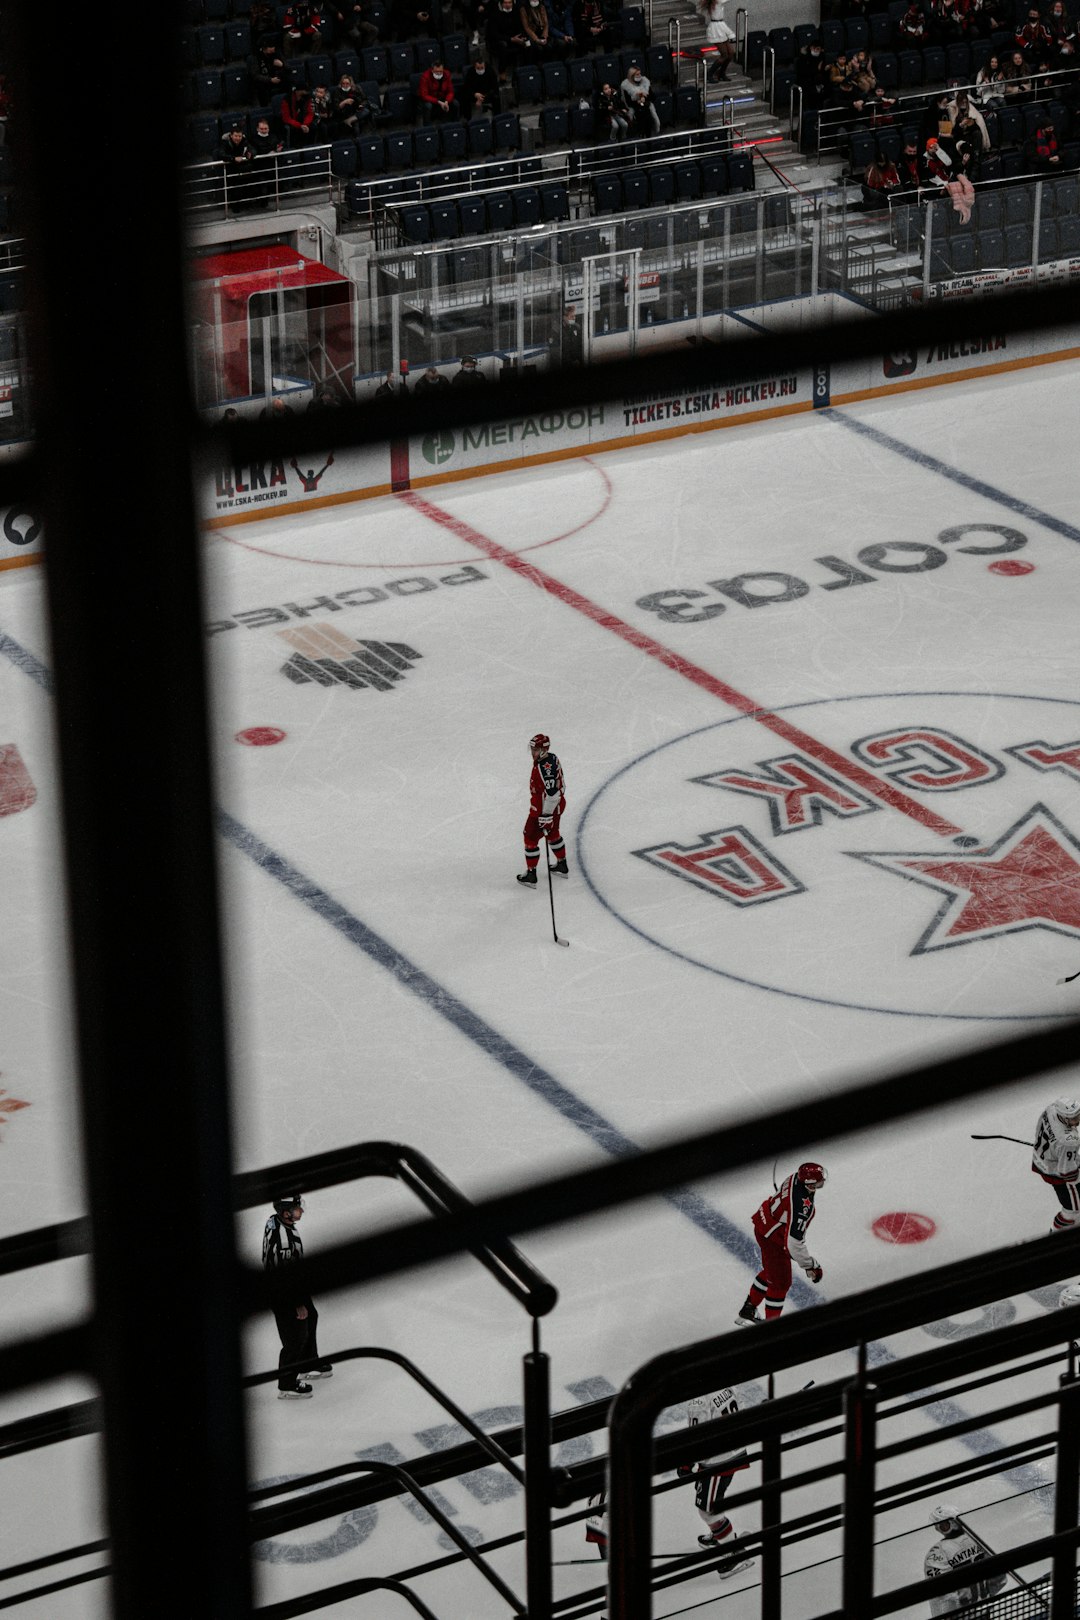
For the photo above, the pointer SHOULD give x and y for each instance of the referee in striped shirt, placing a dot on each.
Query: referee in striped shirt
(297, 1324)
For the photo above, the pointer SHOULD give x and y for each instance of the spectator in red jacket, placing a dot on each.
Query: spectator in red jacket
(298, 117)
(302, 28)
(436, 92)
(1032, 37)
(1042, 150)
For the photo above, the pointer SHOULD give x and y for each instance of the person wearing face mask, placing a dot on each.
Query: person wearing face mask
(507, 41)
(637, 99)
(533, 17)
(1062, 33)
(436, 92)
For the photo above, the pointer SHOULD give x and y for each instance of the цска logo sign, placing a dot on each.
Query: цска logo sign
(924, 859)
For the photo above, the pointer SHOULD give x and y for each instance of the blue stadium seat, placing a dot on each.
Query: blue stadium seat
(554, 202)
(661, 186)
(933, 64)
(1018, 206)
(554, 126)
(203, 137)
(399, 150)
(371, 154)
(472, 212)
(714, 176)
(425, 51)
(887, 69)
(343, 159)
(235, 87)
(528, 86)
(397, 104)
(607, 193)
(688, 108)
(832, 37)
(632, 21)
(527, 209)
(556, 81)
(416, 223)
(782, 43)
(606, 70)
(237, 41)
(580, 70)
(990, 246)
(857, 34)
(480, 138)
(1017, 245)
(506, 132)
(444, 220)
(635, 189)
(189, 48)
(211, 46)
(805, 34)
(911, 67)
(634, 56)
(500, 211)
(740, 172)
(453, 142)
(958, 63)
(582, 123)
(881, 33)
(861, 149)
(1069, 236)
(426, 148)
(687, 181)
(1048, 240)
(755, 48)
(348, 62)
(402, 62)
(455, 52)
(320, 70)
(664, 102)
(658, 64)
(206, 84)
(376, 60)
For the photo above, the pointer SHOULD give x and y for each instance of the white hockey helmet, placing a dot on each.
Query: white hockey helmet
(1067, 1111)
(944, 1513)
(1070, 1294)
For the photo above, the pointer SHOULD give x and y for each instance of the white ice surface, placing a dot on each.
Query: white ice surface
(671, 1010)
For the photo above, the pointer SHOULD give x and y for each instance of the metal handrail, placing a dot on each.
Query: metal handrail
(740, 37)
(674, 39)
(331, 1595)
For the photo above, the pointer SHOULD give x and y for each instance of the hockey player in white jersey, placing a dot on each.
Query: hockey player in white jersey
(712, 1476)
(1056, 1158)
(957, 1548)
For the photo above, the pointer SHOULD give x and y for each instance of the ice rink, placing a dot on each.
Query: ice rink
(813, 685)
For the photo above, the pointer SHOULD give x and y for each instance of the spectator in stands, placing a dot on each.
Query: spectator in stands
(561, 22)
(265, 146)
(1042, 153)
(880, 108)
(238, 158)
(436, 94)
(881, 181)
(352, 109)
(263, 23)
(861, 72)
(230, 414)
(324, 398)
(1017, 78)
(264, 143)
(266, 69)
(480, 90)
(593, 27)
(945, 23)
(323, 120)
(719, 37)
(1032, 38)
(974, 131)
(941, 172)
(638, 101)
(810, 73)
(533, 18)
(1062, 31)
(936, 119)
(302, 28)
(386, 389)
(910, 169)
(470, 375)
(507, 41)
(298, 115)
(567, 342)
(431, 382)
(990, 84)
(351, 23)
(612, 119)
(276, 411)
(911, 32)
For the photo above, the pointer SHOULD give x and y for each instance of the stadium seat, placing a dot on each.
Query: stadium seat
(582, 123)
(606, 71)
(189, 48)
(806, 34)
(657, 231)
(777, 210)
(425, 52)
(632, 20)
(658, 64)
(402, 62)
(1018, 205)
(528, 86)
(933, 64)
(911, 68)
(687, 178)
(480, 138)
(881, 33)
(1017, 245)
(426, 148)
(714, 176)
(607, 193)
(661, 186)
(376, 60)
(444, 220)
(633, 56)
(554, 202)
(399, 150)
(506, 132)
(203, 137)
(1069, 236)
(455, 52)
(635, 189)
(857, 34)
(415, 223)
(633, 234)
(962, 254)
(580, 71)
(371, 154)
(348, 62)
(211, 46)
(206, 83)
(453, 142)
(235, 87)
(887, 69)
(500, 211)
(981, 52)
(472, 214)
(740, 172)
(989, 211)
(556, 81)
(688, 108)
(237, 41)
(397, 104)
(1048, 240)
(782, 44)
(832, 37)
(343, 159)
(554, 126)
(527, 210)
(958, 63)
(320, 70)
(862, 148)
(755, 49)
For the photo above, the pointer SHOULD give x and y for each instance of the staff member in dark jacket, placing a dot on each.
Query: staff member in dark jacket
(297, 1322)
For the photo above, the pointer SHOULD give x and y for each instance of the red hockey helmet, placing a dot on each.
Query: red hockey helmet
(540, 741)
(812, 1175)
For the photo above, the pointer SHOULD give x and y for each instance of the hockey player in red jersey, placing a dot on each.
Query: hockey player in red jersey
(547, 801)
(780, 1227)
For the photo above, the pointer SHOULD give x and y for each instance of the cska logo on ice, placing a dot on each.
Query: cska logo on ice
(915, 854)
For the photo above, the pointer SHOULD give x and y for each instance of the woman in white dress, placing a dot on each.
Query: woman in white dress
(719, 38)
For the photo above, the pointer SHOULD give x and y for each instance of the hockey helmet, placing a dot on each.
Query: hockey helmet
(541, 740)
(288, 1201)
(812, 1174)
(944, 1513)
(1067, 1111)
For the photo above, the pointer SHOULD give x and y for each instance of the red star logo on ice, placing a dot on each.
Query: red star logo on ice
(1029, 879)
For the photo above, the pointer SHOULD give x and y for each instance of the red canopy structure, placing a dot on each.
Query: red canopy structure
(269, 314)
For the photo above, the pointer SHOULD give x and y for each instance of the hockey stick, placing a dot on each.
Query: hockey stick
(1069, 978)
(551, 897)
(1019, 1139)
(1019, 1579)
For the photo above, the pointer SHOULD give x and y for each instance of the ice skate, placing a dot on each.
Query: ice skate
(527, 877)
(748, 1316)
(561, 867)
(299, 1392)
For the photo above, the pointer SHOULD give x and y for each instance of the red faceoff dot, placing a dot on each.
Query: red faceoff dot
(903, 1227)
(1011, 569)
(260, 736)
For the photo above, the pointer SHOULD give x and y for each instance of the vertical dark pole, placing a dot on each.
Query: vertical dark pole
(537, 1438)
(115, 427)
(860, 1445)
(771, 1465)
(1066, 1500)
(630, 1448)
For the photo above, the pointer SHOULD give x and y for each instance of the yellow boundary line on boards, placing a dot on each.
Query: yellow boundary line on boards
(20, 562)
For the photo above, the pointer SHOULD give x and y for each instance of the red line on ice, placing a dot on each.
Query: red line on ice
(884, 792)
